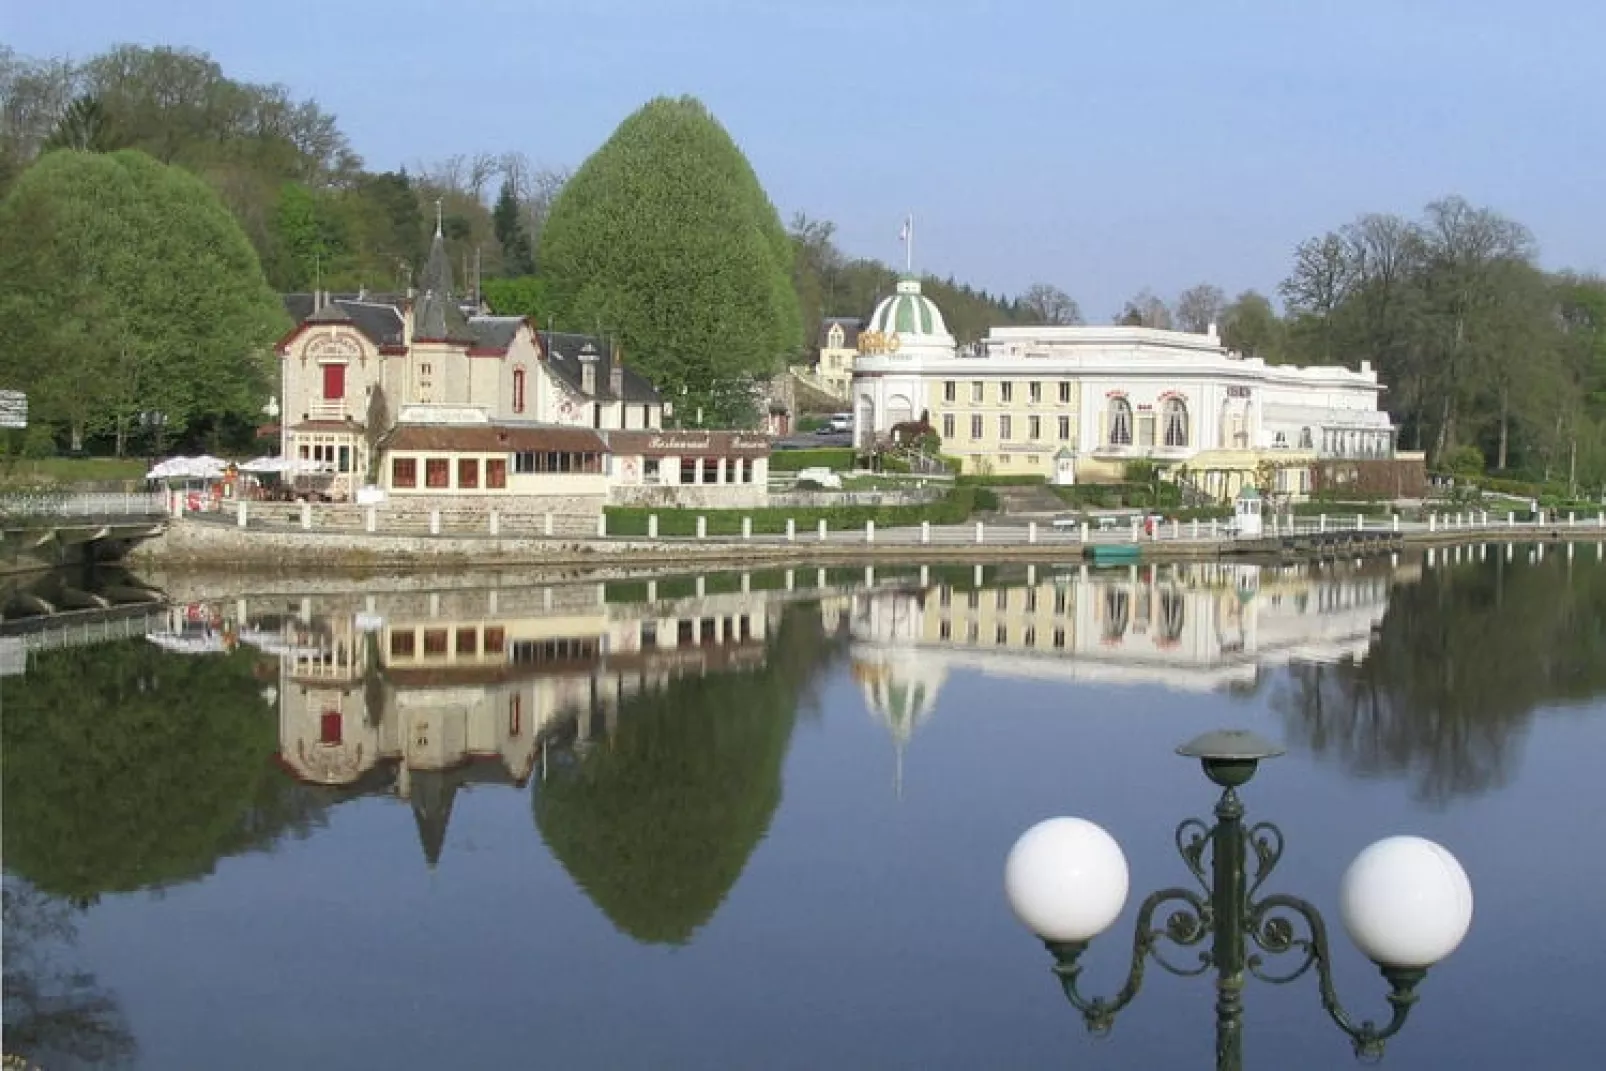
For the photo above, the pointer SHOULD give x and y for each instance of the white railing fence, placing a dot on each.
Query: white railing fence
(69, 504)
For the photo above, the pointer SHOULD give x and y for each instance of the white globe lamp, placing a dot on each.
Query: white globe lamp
(1406, 902)
(1066, 879)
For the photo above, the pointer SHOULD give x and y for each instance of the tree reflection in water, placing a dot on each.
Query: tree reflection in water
(1458, 665)
(53, 1014)
(657, 822)
(126, 767)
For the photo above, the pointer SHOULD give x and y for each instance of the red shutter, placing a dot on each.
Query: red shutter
(329, 731)
(334, 382)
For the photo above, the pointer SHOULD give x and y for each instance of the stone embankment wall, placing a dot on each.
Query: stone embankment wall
(191, 544)
(691, 496)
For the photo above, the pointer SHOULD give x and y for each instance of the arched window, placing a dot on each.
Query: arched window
(518, 390)
(1120, 422)
(1175, 422)
(1173, 614)
(1117, 613)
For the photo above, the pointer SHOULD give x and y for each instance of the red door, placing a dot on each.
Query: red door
(334, 382)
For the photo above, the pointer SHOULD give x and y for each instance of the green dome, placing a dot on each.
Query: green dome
(909, 312)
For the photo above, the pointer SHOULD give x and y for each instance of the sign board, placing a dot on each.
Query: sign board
(364, 622)
(13, 409)
(13, 657)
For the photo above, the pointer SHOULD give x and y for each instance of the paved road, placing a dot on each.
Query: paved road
(811, 441)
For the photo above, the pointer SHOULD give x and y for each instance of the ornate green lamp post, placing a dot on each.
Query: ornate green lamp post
(1405, 901)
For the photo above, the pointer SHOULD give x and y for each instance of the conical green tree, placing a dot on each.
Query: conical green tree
(665, 240)
(657, 824)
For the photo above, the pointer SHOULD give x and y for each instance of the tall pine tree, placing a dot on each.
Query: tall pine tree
(518, 255)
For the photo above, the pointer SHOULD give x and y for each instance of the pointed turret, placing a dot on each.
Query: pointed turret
(436, 317)
(432, 793)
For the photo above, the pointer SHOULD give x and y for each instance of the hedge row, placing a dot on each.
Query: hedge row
(955, 507)
(1002, 481)
(1120, 495)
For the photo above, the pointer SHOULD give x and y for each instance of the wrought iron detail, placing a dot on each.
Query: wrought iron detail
(1248, 936)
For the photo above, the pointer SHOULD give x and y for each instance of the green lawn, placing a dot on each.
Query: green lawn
(68, 470)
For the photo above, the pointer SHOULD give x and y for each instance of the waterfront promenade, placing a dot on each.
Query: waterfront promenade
(370, 538)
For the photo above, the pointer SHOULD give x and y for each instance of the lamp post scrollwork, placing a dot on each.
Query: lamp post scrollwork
(1405, 901)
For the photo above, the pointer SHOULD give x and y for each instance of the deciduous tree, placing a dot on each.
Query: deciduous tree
(1047, 304)
(1146, 309)
(1200, 306)
(130, 283)
(665, 238)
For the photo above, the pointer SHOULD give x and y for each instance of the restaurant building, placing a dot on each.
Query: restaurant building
(436, 404)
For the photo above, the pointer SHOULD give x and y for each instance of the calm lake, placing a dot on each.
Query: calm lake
(759, 821)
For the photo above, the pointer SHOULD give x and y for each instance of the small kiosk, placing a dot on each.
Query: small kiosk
(1248, 509)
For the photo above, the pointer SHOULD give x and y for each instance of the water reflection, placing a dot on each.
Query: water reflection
(1464, 655)
(127, 768)
(417, 694)
(651, 720)
(1188, 627)
(54, 1014)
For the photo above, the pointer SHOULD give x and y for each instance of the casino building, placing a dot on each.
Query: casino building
(1078, 404)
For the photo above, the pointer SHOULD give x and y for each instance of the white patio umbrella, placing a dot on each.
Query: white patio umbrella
(269, 464)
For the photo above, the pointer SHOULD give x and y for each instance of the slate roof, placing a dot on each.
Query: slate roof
(496, 438)
(494, 332)
(436, 315)
(851, 326)
(377, 316)
(563, 352)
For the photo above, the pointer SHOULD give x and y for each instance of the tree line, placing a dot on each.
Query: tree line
(665, 241)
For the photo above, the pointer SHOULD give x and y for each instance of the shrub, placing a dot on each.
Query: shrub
(1001, 481)
(955, 507)
(1464, 461)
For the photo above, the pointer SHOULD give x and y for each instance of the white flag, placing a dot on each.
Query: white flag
(903, 234)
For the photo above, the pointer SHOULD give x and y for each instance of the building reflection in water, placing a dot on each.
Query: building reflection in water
(419, 694)
(1189, 627)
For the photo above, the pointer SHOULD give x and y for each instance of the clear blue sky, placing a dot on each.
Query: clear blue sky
(1101, 147)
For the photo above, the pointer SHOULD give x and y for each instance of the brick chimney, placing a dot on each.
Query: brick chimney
(616, 373)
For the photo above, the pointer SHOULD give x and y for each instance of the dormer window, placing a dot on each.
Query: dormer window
(836, 337)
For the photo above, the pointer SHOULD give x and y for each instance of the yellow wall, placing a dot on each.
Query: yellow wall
(1037, 618)
(1005, 397)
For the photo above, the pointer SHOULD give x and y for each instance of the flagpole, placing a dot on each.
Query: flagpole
(909, 246)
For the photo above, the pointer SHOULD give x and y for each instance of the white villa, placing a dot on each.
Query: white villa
(481, 409)
(1076, 404)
